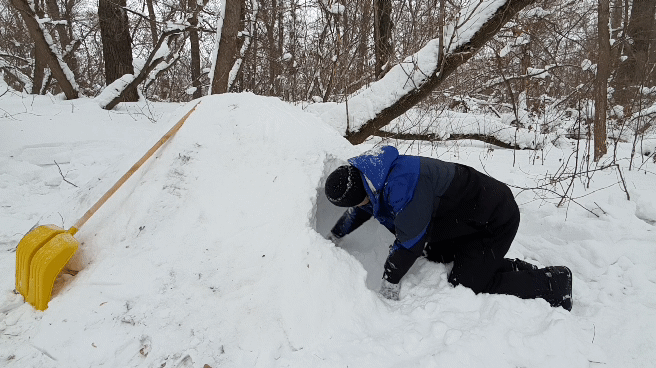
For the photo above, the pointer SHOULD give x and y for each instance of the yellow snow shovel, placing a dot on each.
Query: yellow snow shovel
(44, 251)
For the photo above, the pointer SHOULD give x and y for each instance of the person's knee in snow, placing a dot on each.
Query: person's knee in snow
(438, 209)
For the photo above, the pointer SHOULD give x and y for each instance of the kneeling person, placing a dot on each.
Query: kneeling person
(446, 212)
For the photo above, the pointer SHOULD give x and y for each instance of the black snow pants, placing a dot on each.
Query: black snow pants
(474, 227)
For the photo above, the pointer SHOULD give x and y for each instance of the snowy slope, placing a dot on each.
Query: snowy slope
(212, 253)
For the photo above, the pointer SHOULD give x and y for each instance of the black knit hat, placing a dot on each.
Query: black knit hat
(344, 187)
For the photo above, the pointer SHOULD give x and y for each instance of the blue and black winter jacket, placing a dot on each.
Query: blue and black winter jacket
(404, 193)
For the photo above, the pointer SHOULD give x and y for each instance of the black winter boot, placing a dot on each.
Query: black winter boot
(519, 265)
(560, 283)
(514, 265)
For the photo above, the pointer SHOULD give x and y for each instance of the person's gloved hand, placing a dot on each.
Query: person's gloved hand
(334, 238)
(389, 290)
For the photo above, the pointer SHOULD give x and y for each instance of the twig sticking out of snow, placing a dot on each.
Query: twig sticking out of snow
(62, 175)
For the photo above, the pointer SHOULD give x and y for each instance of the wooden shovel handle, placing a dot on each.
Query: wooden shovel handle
(127, 175)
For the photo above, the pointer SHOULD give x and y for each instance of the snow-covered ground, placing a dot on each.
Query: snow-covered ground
(212, 253)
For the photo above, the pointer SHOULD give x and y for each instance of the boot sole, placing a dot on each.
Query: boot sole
(567, 299)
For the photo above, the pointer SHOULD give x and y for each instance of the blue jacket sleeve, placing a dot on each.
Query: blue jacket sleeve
(399, 261)
(350, 220)
(412, 224)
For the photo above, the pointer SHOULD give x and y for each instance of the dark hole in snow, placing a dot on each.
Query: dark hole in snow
(369, 244)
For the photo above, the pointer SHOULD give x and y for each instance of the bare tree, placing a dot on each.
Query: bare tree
(249, 19)
(46, 49)
(363, 37)
(152, 18)
(382, 34)
(117, 43)
(39, 73)
(603, 71)
(227, 46)
(65, 39)
(635, 69)
(424, 83)
(194, 42)
(271, 14)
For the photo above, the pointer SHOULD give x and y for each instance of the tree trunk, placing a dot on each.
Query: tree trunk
(152, 21)
(616, 24)
(252, 80)
(425, 84)
(249, 25)
(227, 46)
(634, 70)
(273, 50)
(525, 83)
(382, 34)
(46, 51)
(363, 42)
(640, 29)
(432, 137)
(279, 48)
(601, 85)
(195, 48)
(292, 48)
(346, 26)
(117, 43)
(39, 73)
(64, 38)
(40, 65)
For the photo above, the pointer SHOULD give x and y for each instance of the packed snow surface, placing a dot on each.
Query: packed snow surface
(213, 253)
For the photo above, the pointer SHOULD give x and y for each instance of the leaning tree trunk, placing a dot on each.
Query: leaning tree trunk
(46, 50)
(421, 82)
(64, 37)
(151, 69)
(117, 43)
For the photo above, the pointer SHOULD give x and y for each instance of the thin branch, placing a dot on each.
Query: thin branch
(563, 197)
(628, 197)
(432, 137)
(23, 60)
(62, 175)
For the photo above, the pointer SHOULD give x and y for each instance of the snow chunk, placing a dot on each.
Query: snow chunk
(337, 9)
(538, 73)
(113, 90)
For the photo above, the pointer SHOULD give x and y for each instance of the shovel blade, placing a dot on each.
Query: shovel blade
(40, 257)
(25, 251)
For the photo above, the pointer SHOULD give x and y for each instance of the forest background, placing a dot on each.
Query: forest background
(540, 67)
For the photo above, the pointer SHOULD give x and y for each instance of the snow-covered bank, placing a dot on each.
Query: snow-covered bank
(212, 253)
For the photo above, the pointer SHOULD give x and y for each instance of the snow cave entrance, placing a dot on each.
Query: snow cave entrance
(369, 244)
